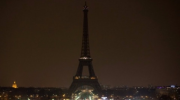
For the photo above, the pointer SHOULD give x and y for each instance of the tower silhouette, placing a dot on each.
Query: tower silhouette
(85, 60)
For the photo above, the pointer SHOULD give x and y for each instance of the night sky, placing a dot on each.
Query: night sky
(132, 42)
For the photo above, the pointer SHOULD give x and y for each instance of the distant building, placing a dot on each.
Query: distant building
(14, 85)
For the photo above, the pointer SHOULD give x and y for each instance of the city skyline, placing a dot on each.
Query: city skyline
(133, 43)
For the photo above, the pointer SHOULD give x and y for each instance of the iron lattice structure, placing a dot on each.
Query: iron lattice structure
(85, 61)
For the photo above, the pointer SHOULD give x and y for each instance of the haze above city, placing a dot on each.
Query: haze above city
(132, 43)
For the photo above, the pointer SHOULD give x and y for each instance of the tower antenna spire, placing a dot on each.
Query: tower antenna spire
(85, 6)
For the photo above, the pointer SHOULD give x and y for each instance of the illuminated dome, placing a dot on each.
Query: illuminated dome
(14, 85)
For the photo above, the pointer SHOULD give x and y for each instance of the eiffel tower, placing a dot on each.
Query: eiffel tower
(85, 61)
